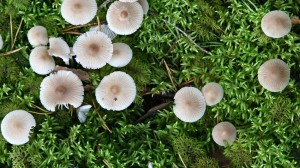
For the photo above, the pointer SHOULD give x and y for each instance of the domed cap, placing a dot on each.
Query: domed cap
(37, 35)
(116, 91)
(213, 93)
(16, 126)
(40, 61)
(122, 55)
(145, 5)
(224, 131)
(276, 24)
(61, 88)
(78, 12)
(124, 18)
(93, 49)
(189, 104)
(59, 48)
(274, 75)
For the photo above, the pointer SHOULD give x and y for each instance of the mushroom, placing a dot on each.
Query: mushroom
(78, 12)
(1, 42)
(122, 55)
(106, 30)
(189, 104)
(274, 75)
(40, 61)
(82, 112)
(116, 91)
(145, 5)
(93, 49)
(124, 18)
(61, 88)
(224, 132)
(37, 35)
(213, 93)
(16, 126)
(276, 24)
(59, 48)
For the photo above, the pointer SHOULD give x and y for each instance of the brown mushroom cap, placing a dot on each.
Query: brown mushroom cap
(16, 126)
(224, 131)
(213, 93)
(189, 104)
(78, 12)
(274, 75)
(276, 24)
(124, 18)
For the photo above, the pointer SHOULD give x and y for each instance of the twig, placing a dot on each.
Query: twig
(182, 161)
(40, 108)
(72, 32)
(106, 163)
(102, 119)
(17, 33)
(187, 36)
(39, 113)
(11, 52)
(152, 111)
(169, 74)
(104, 3)
(79, 26)
(11, 31)
(187, 82)
(99, 25)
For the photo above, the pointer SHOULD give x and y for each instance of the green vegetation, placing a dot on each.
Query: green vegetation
(267, 123)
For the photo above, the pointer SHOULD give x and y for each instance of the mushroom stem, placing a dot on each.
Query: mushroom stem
(152, 111)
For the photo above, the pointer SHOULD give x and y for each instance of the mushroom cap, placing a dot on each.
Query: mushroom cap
(145, 5)
(189, 104)
(224, 131)
(128, 0)
(37, 35)
(1, 42)
(93, 49)
(276, 24)
(213, 93)
(61, 88)
(122, 55)
(274, 75)
(82, 112)
(16, 126)
(78, 12)
(106, 30)
(40, 61)
(59, 48)
(124, 18)
(116, 91)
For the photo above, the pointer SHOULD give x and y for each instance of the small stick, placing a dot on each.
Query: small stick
(72, 32)
(187, 36)
(152, 111)
(40, 108)
(11, 52)
(11, 31)
(39, 113)
(99, 25)
(182, 161)
(104, 122)
(187, 82)
(169, 74)
(17, 33)
(106, 163)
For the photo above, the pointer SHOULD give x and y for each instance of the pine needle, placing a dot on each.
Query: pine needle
(17, 33)
(11, 31)
(39, 113)
(11, 52)
(169, 74)
(106, 163)
(182, 161)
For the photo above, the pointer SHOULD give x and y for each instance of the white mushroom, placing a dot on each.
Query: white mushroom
(224, 131)
(59, 48)
(40, 61)
(37, 35)
(122, 55)
(82, 112)
(213, 93)
(145, 5)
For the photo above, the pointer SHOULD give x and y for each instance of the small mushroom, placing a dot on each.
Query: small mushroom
(37, 35)
(224, 132)
(82, 112)
(276, 24)
(78, 12)
(116, 91)
(93, 49)
(189, 104)
(59, 48)
(122, 55)
(274, 75)
(145, 5)
(61, 88)
(40, 61)
(213, 93)
(16, 126)
(124, 18)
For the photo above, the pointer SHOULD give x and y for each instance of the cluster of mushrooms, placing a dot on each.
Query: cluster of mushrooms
(116, 91)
